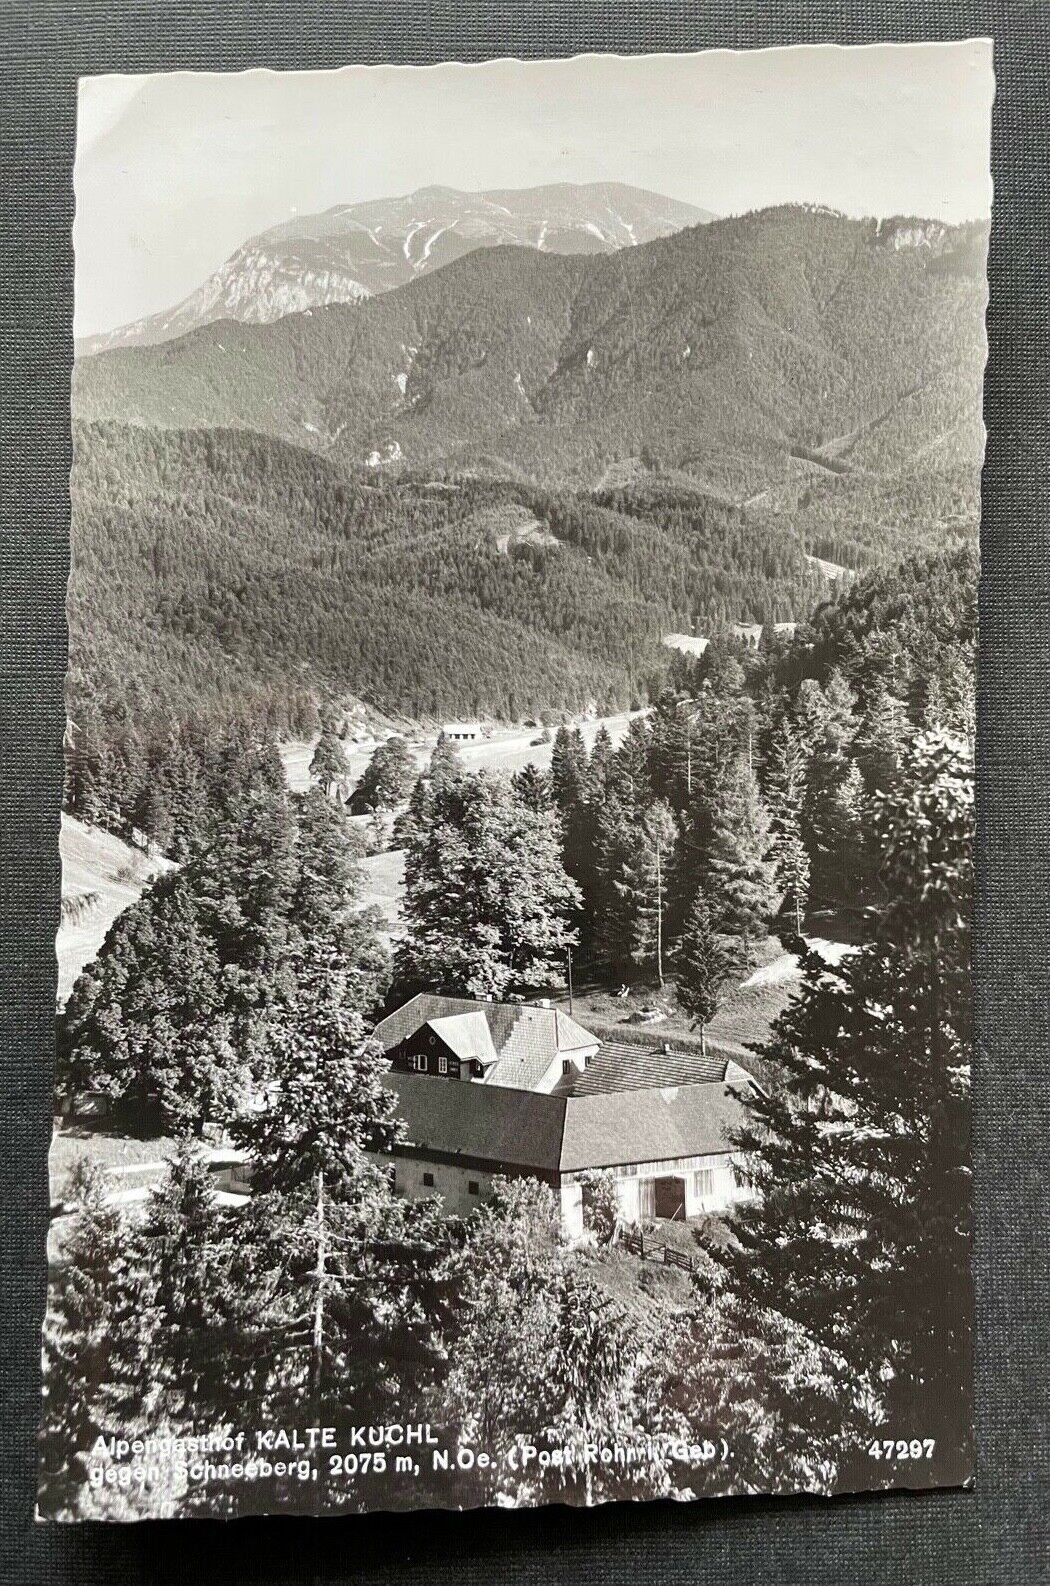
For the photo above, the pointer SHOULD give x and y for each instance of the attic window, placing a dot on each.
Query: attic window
(566, 1065)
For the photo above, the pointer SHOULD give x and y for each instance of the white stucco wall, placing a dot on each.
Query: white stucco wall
(710, 1186)
(450, 1182)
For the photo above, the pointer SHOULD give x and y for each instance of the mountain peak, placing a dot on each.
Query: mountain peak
(350, 252)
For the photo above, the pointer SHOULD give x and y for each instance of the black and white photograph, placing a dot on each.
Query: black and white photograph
(514, 972)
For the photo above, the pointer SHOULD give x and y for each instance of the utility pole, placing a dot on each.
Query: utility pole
(659, 914)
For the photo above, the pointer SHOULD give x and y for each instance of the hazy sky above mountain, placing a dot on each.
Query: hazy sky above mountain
(174, 171)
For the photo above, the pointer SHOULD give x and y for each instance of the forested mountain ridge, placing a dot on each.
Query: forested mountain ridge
(216, 568)
(352, 251)
(773, 354)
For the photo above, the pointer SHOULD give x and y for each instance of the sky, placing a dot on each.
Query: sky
(174, 171)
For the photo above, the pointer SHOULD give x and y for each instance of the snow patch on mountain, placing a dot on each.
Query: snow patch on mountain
(352, 251)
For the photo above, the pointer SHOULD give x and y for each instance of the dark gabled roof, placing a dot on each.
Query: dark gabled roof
(548, 1134)
(628, 1065)
(526, 1039)
(613, 1128)
(485, 1123)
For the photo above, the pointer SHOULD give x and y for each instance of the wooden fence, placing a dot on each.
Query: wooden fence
(634, 1241)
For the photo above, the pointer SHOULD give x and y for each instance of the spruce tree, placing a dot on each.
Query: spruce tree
(193, 1301)
(615, 914)
(328, 764)
(600, 764)
(643, 885)
(532, 787)
(568, 775)
(880, 739)
(785, 791)
(445, 761)
(341, 1274)
(629, 778)
(703, 963)
(741, 879)
(844, 869)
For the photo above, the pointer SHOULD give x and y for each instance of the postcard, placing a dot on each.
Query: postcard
(514, 1025)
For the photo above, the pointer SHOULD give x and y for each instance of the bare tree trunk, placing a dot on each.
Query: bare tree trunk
(316, 1360)
(659, 919)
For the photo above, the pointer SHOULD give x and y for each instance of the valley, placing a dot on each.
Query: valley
(505, 749)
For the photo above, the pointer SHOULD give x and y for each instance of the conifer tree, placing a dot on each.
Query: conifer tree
(487, 899)
(193, 1302)
(386, 780)
(643, 884)
(328, 764)
(844, 868)
(702, 965)
(600, 766)
(568, 775)
(629, 779)
(880, 739)
(341, 1274)
(785, 791)
(741, 875)
(445, 760)
(615, 916)
(532, 787)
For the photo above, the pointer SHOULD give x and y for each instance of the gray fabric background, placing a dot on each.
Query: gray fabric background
(997, 1534)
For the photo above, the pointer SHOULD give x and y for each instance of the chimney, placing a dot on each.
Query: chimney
(542, 1002)
(666, 1046)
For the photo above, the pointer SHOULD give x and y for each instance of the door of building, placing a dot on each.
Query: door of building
(670, 1197)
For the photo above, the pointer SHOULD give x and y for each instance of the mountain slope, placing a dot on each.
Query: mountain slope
(775, 355)
(354, 251)
(218, 573)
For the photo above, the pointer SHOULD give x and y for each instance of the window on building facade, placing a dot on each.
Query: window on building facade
(704, 1182)
(442, 1065)
(566, 1065)
(428, 1180)
(473, 1188)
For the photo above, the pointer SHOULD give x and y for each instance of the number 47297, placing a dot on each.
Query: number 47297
(902, 1448)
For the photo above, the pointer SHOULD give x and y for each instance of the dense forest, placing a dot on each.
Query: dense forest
(223, 577)
(832, 773)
